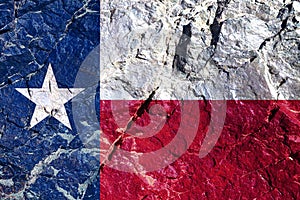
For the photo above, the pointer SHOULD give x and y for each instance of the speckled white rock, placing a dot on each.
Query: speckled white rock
(237, 50)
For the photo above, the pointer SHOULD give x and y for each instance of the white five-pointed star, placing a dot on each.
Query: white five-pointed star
(50, 100)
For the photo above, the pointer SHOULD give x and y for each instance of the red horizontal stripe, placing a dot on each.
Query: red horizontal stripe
(255, 156)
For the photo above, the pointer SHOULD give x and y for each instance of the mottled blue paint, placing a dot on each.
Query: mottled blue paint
(31, 37)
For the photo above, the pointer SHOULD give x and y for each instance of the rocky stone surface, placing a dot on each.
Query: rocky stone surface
(256, 156)
(48, 161)
(172, 53)
(218, 49)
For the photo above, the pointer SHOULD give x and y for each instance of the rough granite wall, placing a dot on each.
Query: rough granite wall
(214, 49)
(175, 54)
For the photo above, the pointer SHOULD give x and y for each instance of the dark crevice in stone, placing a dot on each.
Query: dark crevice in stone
(145, 197)
(253, 58)
(286, 142)
(263, 44)
(283, 26)
(144, 107)
(112, 12)
(269, 179)
(139, 55)
(294, 20)
(222, 70)
(140, 111)
(180, 58)
(2, 31)
(187, 30)
(16, 7)
(215, 27)
(283, 81)
(272, 113)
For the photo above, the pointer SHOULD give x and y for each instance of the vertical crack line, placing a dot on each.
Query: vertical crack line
(180, 58)
(215, 27)
(115, 145)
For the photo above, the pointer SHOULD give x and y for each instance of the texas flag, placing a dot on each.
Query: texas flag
(199, 100)
(149, 100)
